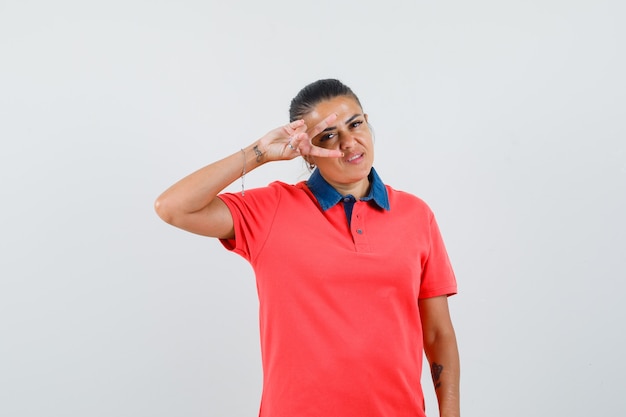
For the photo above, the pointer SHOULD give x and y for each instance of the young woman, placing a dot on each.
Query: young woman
(352, 275)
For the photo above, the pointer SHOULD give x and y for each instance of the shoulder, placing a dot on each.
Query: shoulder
(270, 195)
(406, 201)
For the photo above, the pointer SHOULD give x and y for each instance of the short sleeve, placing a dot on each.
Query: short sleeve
(253, 215)
(437, 274)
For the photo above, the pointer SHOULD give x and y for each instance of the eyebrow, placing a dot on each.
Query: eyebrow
(328, 129)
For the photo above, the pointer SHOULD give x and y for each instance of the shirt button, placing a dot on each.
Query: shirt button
(359, 231)
(346, 200)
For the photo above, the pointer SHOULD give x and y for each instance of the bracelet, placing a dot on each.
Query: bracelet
(243, 173)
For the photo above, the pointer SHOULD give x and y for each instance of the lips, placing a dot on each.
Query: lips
(354, 157)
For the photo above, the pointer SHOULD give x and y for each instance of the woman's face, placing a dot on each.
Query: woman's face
(350, 134)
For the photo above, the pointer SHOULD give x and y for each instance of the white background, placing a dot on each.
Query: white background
(507, 117)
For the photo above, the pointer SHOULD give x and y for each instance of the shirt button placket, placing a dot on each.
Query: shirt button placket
(361, 242)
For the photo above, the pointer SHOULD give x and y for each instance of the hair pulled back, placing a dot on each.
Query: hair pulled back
(316, 92)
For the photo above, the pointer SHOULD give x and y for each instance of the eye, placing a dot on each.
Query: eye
(327, 136)
(356, 124)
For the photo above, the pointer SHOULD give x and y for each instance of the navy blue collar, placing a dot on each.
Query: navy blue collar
(327, 196)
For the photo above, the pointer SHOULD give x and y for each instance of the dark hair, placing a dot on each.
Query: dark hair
(316, 92)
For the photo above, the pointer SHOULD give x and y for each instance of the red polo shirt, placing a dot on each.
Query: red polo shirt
(338, 301)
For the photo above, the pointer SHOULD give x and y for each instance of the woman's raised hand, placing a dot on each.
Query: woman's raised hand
(294, 139)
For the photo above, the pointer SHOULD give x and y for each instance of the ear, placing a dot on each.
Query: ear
(366, 119)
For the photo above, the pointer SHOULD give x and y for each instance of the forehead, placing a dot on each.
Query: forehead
(343, 106)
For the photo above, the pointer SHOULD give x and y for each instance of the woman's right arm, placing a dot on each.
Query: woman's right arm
(192, 204)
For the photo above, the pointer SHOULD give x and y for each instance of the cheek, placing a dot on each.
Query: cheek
(367, 140)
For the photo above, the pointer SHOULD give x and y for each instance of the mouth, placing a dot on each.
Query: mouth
(354, 158)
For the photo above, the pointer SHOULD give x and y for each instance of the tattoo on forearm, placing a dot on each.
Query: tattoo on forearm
(258, 153)
(435, 370)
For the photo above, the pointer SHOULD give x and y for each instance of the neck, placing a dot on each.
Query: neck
(358, 190)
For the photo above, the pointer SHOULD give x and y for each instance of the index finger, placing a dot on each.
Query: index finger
(319, 128)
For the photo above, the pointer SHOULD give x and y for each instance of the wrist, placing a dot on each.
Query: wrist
(252, 158)
(254, 155)
(259, 155)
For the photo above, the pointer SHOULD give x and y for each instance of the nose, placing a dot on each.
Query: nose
(346, 140)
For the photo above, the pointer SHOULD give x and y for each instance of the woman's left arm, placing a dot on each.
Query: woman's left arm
(442, 353)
